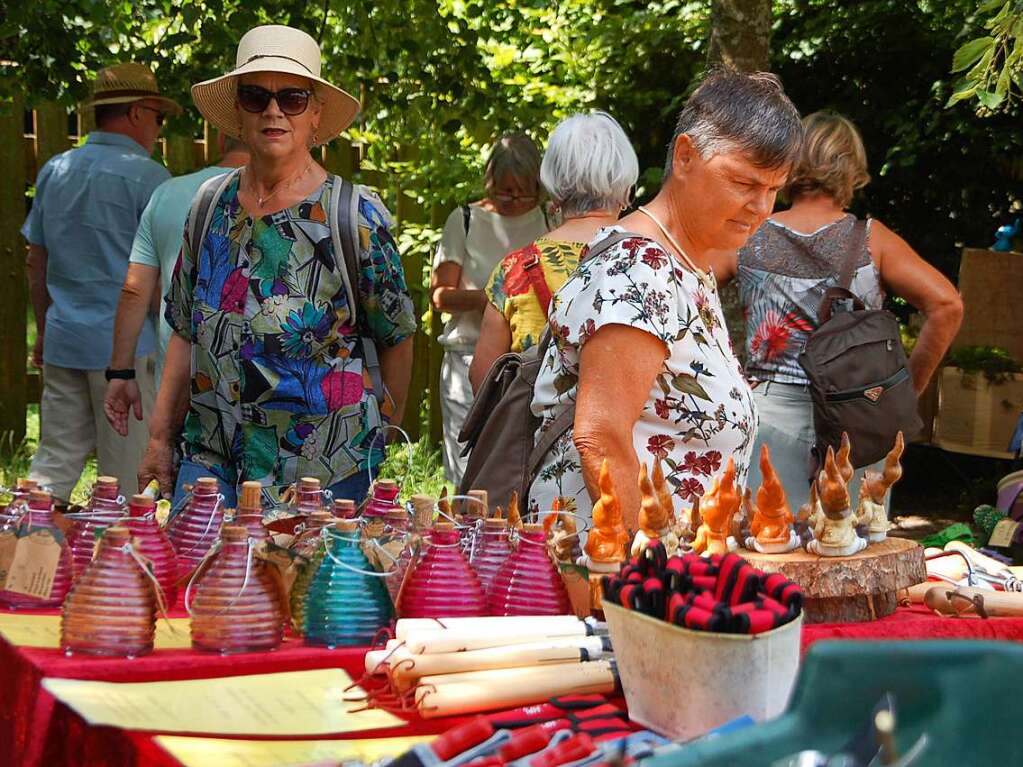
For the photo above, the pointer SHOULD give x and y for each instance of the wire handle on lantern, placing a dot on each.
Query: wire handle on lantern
(459, 525)
(327, 534)
(199, 568)
(209, 524)
(408, 443)
(161, 597)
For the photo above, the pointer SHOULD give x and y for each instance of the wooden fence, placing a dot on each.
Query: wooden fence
(28, 138)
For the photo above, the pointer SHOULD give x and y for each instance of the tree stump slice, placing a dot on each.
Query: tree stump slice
(853, 589)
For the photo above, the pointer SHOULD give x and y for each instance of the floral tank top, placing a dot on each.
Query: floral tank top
(782, 277)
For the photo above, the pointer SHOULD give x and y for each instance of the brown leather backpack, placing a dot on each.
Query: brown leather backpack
(858, 372)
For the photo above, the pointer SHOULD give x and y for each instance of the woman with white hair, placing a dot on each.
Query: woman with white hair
(475, 238)
(589, 170)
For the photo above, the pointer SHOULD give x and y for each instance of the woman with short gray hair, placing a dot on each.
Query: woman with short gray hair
(475, 238)
(641, 350)
(589, 170)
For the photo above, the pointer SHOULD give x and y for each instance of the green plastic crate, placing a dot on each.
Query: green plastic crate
(964, 695)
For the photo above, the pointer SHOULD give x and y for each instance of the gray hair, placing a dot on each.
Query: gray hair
(589, 164)
(514, 155)
(749, 113)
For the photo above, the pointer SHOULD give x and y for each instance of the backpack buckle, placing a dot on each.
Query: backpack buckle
(874, 393)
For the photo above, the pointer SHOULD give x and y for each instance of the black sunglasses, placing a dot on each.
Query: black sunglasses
(292, 101)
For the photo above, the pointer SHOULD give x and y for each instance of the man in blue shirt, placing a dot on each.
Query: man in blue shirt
(153, 256)
(87, 207)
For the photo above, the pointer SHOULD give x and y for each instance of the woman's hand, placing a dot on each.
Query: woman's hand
(617, 369)
(445, 294)
(908, 276)
(158, 463)
(121, 398)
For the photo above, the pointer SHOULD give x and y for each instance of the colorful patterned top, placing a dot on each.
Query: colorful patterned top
(782, 276)
(278, 386)
(511, 289)
(699, 410)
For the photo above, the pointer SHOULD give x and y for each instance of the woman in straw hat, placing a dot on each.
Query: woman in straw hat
(279, 365)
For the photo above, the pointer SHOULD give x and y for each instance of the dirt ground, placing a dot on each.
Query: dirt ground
(939, 488)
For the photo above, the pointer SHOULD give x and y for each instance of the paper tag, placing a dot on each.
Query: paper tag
(36, 557)
(8, 542)
(1003, 533)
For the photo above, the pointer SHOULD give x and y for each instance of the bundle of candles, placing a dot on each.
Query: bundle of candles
(721, 593)
(463, 665)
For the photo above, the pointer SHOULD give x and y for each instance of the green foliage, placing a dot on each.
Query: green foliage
(992, 64)
(418, 468)
(941, 178)
(994, 362)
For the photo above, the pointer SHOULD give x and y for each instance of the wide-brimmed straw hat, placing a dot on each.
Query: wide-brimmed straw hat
(275, 48)
(126, 83)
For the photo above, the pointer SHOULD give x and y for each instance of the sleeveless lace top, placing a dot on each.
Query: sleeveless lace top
(782, 276)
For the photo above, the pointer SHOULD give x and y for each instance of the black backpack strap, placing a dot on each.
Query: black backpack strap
(466, 218)
(203, 204)
(344, 232)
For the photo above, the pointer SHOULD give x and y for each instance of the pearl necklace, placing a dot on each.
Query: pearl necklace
(705, 277)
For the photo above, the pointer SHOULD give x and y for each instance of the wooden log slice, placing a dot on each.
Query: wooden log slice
(853, 589)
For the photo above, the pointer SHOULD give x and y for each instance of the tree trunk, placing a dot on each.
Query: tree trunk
(740, 34)
(740, 38)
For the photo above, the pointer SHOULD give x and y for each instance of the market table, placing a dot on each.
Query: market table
(36, 729)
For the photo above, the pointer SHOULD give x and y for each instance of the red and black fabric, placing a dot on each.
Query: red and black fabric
(719, 593)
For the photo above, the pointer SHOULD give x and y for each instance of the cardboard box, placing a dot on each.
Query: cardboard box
(976, 416)
(989, 283)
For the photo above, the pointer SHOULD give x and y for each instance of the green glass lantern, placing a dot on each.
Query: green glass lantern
(346, 603)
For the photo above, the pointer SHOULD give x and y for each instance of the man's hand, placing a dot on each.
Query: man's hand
(37, 352)
(158, 464)
(121, 397)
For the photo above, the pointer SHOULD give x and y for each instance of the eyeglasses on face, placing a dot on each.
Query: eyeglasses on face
(291, 101)
(160, 116)
(516, 197)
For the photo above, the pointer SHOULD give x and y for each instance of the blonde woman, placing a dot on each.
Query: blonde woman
(476, 237)
(793, 258)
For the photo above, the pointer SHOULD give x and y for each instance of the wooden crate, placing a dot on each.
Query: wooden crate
(974, 415)
(990, 286)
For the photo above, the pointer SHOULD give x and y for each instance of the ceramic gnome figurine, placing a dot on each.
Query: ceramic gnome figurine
(562, 534)
(834, 528)
(870, 510)
(655, 521)
(514, 516)
(772, 527)
(717, 508)
(607, 543)
(808, 515)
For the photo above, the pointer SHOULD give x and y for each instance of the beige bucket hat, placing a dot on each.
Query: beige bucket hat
(126, 83)
(275, 48)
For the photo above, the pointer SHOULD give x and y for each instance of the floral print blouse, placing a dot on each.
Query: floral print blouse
(511, 291)
(278, 385)
(699, 410)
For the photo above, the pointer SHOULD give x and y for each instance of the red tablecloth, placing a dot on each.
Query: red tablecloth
(35, 729)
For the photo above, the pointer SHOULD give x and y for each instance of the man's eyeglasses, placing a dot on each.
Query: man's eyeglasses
(292, 101)
(160, 116)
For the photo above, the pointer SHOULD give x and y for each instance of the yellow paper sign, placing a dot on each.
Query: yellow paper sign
(1003, 533)
(203, 752)
(288, 703)
(43, 631)
(36, 557)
